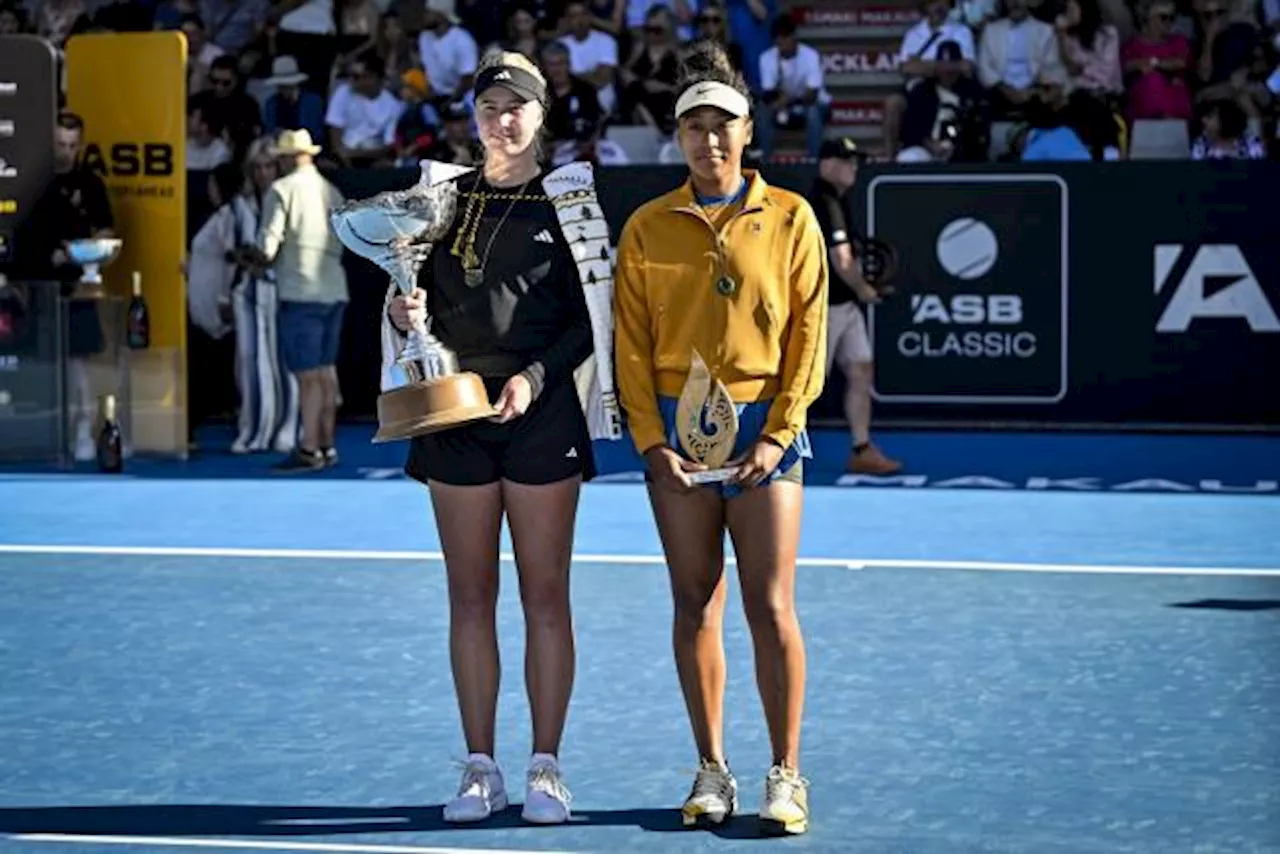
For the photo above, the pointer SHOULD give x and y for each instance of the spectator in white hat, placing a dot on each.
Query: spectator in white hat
(291, 107)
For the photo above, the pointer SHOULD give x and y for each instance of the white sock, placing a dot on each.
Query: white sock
(483, 758)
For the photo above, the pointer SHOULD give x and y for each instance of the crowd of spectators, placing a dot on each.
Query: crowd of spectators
(386, 82)
(1076, 79)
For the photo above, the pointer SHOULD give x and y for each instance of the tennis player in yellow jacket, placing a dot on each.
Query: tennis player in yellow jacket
(720, 332)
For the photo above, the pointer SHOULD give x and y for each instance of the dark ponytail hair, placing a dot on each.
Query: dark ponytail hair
(707, 61)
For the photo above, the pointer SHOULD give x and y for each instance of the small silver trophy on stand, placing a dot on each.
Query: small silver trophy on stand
(92, 331)
(396, 230)
(93, 254)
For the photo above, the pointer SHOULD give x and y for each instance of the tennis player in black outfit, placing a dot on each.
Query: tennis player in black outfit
(503, 292)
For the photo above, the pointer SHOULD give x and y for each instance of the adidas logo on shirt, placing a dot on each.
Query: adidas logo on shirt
(543, 236)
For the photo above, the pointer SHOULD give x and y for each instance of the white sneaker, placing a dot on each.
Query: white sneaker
(546, 799)
(481, 792)
(785, 808)
(714, 796)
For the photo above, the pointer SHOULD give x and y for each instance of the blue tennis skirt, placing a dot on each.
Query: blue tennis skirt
(751, 421)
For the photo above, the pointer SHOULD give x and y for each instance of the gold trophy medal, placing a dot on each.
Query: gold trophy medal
(706, 423)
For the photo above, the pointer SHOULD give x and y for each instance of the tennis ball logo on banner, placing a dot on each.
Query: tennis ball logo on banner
(983, 271)
(967, 250)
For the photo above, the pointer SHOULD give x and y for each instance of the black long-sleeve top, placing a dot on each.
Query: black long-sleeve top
(528, 310)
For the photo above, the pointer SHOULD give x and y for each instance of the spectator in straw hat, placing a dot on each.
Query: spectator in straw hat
(291, 107)
(295, 240)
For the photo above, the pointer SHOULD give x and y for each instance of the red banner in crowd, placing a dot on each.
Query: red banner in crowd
(844, 14)
(863, 113)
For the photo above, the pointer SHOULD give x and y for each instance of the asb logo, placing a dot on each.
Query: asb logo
(1214, 282)
(130, 160)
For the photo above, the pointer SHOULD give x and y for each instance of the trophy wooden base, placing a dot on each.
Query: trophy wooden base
(430, 406)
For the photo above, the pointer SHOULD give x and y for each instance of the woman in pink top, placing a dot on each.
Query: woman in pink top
(1155, 64)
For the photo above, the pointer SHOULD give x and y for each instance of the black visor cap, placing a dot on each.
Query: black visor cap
(517, 81)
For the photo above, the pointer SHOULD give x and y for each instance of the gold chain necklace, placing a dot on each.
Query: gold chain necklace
(472, 265)
(464, 244)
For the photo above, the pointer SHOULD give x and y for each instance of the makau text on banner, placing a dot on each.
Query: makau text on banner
(983, 313)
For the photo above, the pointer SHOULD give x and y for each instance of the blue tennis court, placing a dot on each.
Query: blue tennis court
(208, 661)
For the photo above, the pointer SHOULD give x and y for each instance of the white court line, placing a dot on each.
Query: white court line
(636, 560)
(260, 845)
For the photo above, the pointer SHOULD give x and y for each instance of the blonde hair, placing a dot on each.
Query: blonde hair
(260, 147)
(494, 58)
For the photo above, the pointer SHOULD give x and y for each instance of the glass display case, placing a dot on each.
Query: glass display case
(32, 379)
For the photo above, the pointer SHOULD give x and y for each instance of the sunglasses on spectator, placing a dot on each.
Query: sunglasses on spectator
(656, 30)
(221, 81)
(709, 19)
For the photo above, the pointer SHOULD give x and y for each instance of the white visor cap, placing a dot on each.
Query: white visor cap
(713, 94)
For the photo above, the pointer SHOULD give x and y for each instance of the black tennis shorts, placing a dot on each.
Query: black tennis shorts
(550, 442)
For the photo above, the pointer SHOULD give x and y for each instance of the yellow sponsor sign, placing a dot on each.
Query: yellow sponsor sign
(131, 91)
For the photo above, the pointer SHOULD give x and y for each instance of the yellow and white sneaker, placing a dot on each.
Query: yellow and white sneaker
(786, 802)
(714, 796)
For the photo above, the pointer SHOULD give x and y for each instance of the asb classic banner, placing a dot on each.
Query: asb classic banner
(984, 319)
(1034, 296)
(131, 91)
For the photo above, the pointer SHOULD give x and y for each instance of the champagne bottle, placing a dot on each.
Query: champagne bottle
(110, 442)
(139, 333)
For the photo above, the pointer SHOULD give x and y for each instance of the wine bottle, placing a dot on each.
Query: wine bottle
(110, 441)
(139, 334)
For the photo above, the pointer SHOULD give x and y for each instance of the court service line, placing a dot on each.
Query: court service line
(632, 559)
(261, 845)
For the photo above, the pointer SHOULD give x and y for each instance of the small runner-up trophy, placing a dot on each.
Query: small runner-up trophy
(706, 423)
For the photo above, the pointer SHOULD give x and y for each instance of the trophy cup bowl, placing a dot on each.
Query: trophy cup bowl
(93, 254)
(396, 230)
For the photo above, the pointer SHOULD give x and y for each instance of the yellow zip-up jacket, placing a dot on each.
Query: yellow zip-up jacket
(765, 342)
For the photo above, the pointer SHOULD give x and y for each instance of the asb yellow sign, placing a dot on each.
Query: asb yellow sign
(131, 91)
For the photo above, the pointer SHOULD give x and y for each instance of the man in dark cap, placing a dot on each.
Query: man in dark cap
(848, 344)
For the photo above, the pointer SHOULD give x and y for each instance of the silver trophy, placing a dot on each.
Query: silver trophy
(396, 230)
(93, 254)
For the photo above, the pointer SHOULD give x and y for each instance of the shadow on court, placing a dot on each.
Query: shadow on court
(1231, 604)
(170, 820)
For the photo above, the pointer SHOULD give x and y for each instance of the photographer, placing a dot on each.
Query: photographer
(848, 344)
